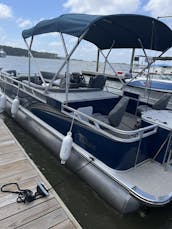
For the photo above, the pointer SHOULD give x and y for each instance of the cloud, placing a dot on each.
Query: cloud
(102, 7)
(14, 43)
(3, 35)
(23, 23)
(54, 44)
(159, 7)
(5, 11)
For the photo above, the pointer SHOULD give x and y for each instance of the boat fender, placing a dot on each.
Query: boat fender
(3, 101)
(15, 106)
(66, 148)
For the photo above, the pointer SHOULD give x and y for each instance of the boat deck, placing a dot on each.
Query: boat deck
(16, 166)
(151, 177)
(82, 96)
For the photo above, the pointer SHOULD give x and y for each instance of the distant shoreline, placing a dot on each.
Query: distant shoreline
(12, 51)
(20, 52)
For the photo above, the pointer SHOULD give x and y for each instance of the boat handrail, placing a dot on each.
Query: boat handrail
(37, 94)
(112, 132)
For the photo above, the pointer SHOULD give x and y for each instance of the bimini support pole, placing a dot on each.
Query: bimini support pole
(97, 62)
(149, 64)
(29, 67)
(66, 59)
(132, 60)
(67, 67)
(106, 57)
(31, 56)
(110, 65)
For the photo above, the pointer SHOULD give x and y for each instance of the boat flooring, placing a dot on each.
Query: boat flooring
(16, 166)
(150, 176)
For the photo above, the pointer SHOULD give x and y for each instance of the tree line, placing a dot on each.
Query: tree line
(11, 51)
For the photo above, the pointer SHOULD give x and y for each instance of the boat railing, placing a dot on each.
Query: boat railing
(5, 78)
(109, 131)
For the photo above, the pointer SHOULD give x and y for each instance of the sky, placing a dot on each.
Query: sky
(17, 15)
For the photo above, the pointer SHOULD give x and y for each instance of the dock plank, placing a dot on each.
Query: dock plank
(30, 214)
(11, 157)
(11, 208)
(16, 166)
(11, 168)
(64, 225)
(55, 217)
(19, 177)
(8, 146)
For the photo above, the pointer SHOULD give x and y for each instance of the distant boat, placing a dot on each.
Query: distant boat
(159, 85)
(2, 53)
(155, 69)
(158, 78)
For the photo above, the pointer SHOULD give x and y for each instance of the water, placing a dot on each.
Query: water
(21, 65)
(87, 207)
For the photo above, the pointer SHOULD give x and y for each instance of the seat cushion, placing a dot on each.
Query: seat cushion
(100, 117)
(142, 108)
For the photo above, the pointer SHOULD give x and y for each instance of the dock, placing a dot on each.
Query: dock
(16, 166)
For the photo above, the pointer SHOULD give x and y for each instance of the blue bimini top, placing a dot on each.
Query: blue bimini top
(122, 30)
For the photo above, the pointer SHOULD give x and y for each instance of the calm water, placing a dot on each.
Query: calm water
(21, 65)
(90, 210)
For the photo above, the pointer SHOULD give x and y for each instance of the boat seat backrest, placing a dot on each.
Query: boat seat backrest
(116, 114)
(161, 104)
(86, 110)
(97, 82)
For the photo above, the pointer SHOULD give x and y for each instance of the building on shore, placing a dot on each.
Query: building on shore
(2, 53)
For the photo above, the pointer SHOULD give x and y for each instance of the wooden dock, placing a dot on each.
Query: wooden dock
(16, 166)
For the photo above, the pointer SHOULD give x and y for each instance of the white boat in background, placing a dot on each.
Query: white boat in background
(161, 69)
(2, 53)
(155, 77)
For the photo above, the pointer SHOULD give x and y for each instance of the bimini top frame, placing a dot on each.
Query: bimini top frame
(106, 32)
(125, 29)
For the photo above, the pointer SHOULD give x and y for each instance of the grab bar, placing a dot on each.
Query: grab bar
(134, 134)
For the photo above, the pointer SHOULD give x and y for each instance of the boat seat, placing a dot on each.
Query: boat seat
(160, 104)
(101, 117)
(116, 114)
(97, 82)
(129, 122)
